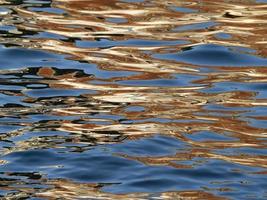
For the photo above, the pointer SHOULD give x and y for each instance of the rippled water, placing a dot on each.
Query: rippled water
(133, 99)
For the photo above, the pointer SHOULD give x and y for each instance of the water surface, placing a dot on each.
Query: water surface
(133, 99)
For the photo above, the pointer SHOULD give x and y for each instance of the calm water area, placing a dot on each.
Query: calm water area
(133, 99)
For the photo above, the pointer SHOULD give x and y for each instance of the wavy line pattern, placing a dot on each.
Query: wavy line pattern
(133, 99)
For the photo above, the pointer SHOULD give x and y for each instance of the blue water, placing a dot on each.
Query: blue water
(214, 55)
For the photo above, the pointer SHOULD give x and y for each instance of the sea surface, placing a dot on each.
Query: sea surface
(133, 99)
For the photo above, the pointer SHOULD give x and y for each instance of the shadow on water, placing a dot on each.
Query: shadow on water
(133, 99)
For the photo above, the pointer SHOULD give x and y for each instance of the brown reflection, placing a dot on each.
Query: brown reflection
(65, 189)
(182, 107)
(173, 161)
(69, 190)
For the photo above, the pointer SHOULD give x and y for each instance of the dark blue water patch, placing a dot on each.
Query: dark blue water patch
(48, 9)
(19, 161)
(8, 128)
(104, 43)
(158, 145)
(159, 184)
(6, 99)
(95, 165)
(20, 53)
(150, 176)
(182, 9)
(260, 88)
(224, 36)
(13, 120)
(98, 165)
(218, 88)
(213, 55)
(194, 27)
(255, 111)
(218, 172)
(209, 136)
(184, 179)
(255, 88)
(19, 57)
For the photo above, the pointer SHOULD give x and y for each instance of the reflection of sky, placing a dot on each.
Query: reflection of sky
(214, 55)
(130, 42)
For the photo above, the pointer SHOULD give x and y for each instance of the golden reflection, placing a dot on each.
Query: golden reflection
(65, 189)
(69, 190)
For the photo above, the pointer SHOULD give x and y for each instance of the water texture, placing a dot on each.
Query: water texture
(133, 99)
